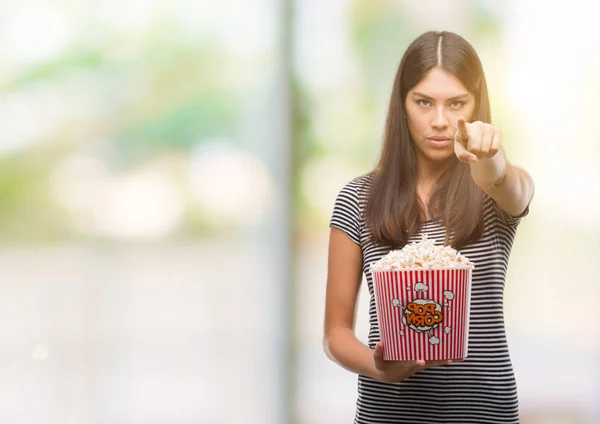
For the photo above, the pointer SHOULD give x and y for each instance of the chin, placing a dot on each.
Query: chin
(435, 155)
(440, 156)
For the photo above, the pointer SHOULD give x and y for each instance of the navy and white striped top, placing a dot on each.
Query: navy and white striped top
(481, 389)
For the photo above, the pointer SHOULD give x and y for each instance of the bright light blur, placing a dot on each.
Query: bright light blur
(143, 199)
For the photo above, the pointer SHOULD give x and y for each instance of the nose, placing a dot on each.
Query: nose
(440, 121)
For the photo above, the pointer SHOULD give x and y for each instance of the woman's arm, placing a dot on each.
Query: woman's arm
(511, 187)
(344, 274)
(340, 342)
(480, 145)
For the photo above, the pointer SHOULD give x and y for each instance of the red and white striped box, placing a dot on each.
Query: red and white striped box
(423, 313)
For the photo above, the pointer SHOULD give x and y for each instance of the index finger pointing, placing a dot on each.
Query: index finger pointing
(461, 126)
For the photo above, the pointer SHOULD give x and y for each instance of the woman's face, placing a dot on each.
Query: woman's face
(433, 106)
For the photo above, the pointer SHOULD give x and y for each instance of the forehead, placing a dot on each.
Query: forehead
(439, 83)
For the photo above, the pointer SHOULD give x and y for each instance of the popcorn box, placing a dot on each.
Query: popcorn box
(423, 313)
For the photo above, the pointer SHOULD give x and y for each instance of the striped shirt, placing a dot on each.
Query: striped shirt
(482, 388)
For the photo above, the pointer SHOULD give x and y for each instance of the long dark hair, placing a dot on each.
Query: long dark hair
(393, 211)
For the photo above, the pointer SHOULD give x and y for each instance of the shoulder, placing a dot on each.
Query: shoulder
(353, 195)
(349, 206)
(358, 187)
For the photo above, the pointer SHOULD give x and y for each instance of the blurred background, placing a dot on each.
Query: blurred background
(168, 170)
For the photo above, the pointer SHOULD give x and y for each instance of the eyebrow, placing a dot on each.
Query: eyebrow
(425, 96)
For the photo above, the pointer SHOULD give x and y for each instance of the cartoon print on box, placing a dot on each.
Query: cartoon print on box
(424, 315)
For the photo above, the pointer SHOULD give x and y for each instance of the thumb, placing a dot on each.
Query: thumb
(378, 353)
(463, 154)
(462, 134)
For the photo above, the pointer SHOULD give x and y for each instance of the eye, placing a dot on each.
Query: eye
(457, 105)
(423, 103)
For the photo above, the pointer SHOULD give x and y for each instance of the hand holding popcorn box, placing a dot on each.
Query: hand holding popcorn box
(422, 295)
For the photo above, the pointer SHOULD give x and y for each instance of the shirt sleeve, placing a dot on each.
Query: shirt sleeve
(506, 218)
(346, 212)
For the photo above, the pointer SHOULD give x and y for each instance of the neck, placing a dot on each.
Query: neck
(428, 173)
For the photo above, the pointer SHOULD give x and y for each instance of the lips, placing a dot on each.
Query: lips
(439, 141)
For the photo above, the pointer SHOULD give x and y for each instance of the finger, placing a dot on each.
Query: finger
(486, 143)
(378, 352)
(431, 364)
(461, 127)
(463, 154)
(417, 366)
(475, 142)
(496, 143)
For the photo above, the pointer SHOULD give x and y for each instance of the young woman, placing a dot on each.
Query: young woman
(442, 172)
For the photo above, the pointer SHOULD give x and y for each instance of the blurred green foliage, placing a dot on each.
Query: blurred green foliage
(163, 94)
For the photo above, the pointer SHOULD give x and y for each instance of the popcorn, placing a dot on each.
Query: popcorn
(423, 254)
